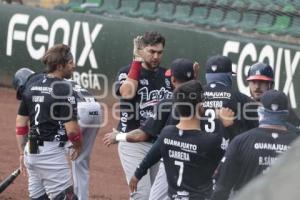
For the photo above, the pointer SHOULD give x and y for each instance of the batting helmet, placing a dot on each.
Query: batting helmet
(260, 71)
(19, 80)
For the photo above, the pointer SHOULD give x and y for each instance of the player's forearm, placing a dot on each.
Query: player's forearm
(128, 88)
(137, 135)
(152, 157)
(21, 142)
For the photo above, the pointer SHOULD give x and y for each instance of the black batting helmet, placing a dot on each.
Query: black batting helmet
(260, 71)
(19, 80)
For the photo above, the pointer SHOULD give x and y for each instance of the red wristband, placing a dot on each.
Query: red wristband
(135, 70)
(22, 130)
(75, 138)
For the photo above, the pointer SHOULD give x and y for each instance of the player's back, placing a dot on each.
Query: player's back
(218, 95)
(49, 102)
(257, 149)
(190, 158)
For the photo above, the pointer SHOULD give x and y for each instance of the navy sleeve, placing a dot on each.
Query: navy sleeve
(154, 125)
(152, 157)
(23, 109)
(229, 170)
(121, 77)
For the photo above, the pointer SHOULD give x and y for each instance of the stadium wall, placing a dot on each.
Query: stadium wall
(102, 44)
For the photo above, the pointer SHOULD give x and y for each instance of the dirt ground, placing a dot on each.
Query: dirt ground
(107, 180)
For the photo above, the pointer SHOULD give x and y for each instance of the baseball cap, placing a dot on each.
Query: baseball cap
(182, 69)
(274, 100)
(218, 64)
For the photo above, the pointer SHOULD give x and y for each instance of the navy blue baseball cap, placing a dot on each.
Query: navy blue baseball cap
(274, 100)
(182, 69)
(218, 64)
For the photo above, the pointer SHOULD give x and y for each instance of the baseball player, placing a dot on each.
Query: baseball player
(181, 71)
(140, 86)
(190, 155)
(89, 114)
(220, 93)
(49, 105)
(252, 152)
(261, 79)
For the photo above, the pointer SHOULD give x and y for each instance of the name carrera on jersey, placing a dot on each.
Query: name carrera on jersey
(46, 90)
(38, 99)
(179, 155)
(270, 146)
(213, 104)
(183, 145)
(216, 95)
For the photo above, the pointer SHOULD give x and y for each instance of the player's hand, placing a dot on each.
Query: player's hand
(75, 150)
(22, 166)
(196, 68)
(110, 138)
(133, 184)
(226, 115)
(138, 47)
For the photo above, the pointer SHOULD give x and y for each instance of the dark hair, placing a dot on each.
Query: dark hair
(59, 54)
(153, 38)
(187, 97)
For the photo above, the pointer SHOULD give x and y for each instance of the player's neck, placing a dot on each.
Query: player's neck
(187, 123)
(56, 74)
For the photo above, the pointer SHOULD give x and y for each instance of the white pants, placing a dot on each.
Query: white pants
(89, 120)
(159, 189)
(48, 171)
(131, 155)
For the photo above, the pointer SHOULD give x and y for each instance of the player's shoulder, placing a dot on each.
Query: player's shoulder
(169, 129)
(124, 69)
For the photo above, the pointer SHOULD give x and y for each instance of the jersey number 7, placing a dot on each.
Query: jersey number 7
(181, 167)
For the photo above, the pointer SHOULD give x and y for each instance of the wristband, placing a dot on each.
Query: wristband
(135, 70)
(75, 138)
(121, 137)
(22, 130)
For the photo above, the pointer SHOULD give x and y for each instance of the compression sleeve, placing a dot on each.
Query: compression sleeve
(152, 157)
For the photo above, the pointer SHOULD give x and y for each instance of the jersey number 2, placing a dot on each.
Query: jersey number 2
(181, 166)
(37, 110)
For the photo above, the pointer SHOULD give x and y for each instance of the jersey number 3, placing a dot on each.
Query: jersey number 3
(211, 116)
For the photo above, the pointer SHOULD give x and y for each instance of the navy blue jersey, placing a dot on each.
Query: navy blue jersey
(248, 155)
(152, 87)
(190, 158)
(49, 102)
(217, 96)
(162, 117)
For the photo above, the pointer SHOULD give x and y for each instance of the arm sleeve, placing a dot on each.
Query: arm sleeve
(229, 169)
(152, 157)
(121, 77)
(23, 109)
(154, 125)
